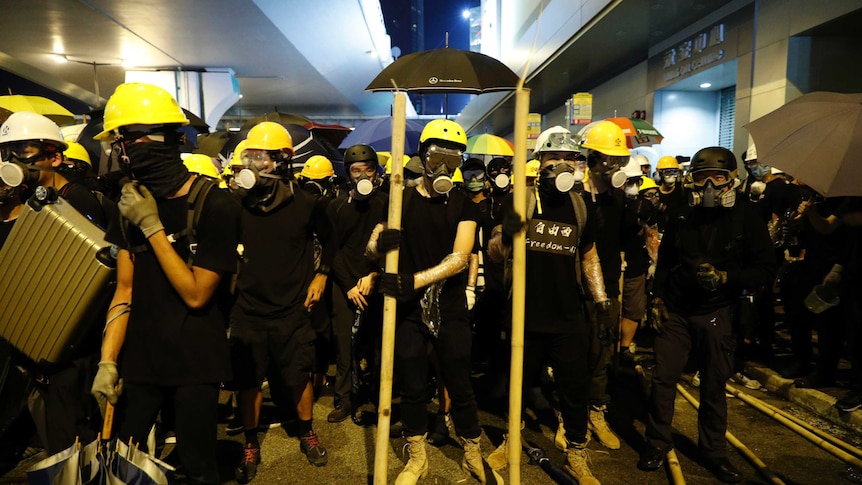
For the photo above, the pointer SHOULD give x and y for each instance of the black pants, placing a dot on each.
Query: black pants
(710, 340)
(412, 342)
(196, 410)
(601, 353)
(568, 354)
(70, 410)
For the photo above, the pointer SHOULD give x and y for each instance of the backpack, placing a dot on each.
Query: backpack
(198, 192)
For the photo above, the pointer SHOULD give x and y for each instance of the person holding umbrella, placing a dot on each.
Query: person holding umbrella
(165, 314)
(708, 256)
(437, 236)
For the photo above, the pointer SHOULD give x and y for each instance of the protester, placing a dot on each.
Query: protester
(165, 314)
(707, 257)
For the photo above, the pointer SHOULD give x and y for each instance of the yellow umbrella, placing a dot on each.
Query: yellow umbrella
(487, 144)
(37, 104)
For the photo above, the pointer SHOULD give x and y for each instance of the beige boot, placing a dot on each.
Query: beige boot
(475, 466)
(577, 466)
(499, 458)
(417, 465)
(599, 428)
(560, 435)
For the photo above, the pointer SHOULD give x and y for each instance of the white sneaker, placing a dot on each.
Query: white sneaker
(740, 378)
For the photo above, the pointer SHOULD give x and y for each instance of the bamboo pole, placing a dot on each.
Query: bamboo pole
(675, 468)
(841, 449)
(519, 266)
(387, 351)
(744, 450)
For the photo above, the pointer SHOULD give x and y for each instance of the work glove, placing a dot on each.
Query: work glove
(107, 385)
(658, 314)
(606, 327)
(398, 285)
(471, 296)
(388, 240)
(710, 278)
(511, 224)
(833, 278)
(138, 205)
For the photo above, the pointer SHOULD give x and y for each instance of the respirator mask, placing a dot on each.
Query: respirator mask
(440, 164)
(16, 174)
(707, 189)
(19, 159)
(558, 176)
(259, 169)
(631, 187)
(669, 176)
(607, 168)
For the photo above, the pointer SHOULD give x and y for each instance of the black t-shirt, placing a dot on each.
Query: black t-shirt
(5, 229)
(278, 257)
(85, 202)
(779, 197)
(352, 222)
(554, 303)
(167, 343)
(674, 204)
(429, 226)
(608, 222)
(633, 242)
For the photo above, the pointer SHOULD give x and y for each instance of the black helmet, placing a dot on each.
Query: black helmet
(360, 153)
(714, 158)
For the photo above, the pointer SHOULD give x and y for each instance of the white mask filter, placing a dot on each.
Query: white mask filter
(618, 179)
(246, 179)
(12, 174)
(564, 181)
(442, 184)
(501, 181)
(364, 187)
(579, 175)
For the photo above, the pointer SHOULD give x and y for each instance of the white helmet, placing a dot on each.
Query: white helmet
(26, 126)
(556, 139)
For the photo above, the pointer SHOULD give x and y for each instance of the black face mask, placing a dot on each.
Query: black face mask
(156, 165)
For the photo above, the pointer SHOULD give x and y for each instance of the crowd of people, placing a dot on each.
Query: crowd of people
(232, 278)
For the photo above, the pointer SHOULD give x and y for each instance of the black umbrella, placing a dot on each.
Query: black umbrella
(278, 117)
(446, 70)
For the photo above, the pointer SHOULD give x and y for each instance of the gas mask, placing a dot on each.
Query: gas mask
(669, 176)
(16, 174)
(10, 195)
(498, 170)
(440, 164)
(559, 177)
(708, 195)
(631, 188)
(260, 170)
(607, 168)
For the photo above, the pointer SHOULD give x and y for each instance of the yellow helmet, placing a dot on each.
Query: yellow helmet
(667, 161)
(140, 104)
(317, 167)
(457, 177)
(445, 130)
(269, 136)
(201, 164)
(387, 169)
(646, 184)
(236, 158)
(76, 151)
(533, 168)
(608, 138)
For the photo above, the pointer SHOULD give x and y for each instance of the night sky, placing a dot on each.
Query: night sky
(440, 16)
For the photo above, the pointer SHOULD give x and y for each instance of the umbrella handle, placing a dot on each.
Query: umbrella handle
(108, 421)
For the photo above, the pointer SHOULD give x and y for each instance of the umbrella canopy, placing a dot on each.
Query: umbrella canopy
(817, 138)
(278, 117)
(37, 104)
(637, 132)
(378, 134)
(487, 144)
(446, 70)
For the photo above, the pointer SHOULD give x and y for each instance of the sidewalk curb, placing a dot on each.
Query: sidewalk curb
(813, 400)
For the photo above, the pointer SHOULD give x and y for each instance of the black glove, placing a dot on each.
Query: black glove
(710, 278)
(658, 314)
(605, 326)
(512, 223)
(398, 285)
(388, 240)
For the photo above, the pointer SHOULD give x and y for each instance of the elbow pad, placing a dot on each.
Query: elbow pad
(593, 273)
(452, 264)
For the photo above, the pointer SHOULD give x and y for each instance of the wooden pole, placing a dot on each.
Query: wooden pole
(387, 351)
(519, 260)
(837, 447)
(740, 447)
(676, 475)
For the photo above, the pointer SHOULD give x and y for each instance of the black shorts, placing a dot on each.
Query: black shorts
(634, 298)
(283, 347)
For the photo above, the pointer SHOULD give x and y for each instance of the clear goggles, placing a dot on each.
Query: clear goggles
(473, 174)
(564, 141)
(649, 194)
(718, 177)
(27, 152)
(669, 172)
(437, 156)
(260, 158)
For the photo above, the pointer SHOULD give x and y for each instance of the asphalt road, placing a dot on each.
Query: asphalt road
(351, 447)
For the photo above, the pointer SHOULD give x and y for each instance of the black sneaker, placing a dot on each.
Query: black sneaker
(342, 411)
(313, 450)
(234, 426)
(850, 402)
(247, 468)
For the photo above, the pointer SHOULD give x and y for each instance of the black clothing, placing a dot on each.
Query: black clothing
(86, 203)
(633, 237)
(167, 343)
(278, 257)
(779, 198)
(5, 229)
(675, 203)
(732, 240)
